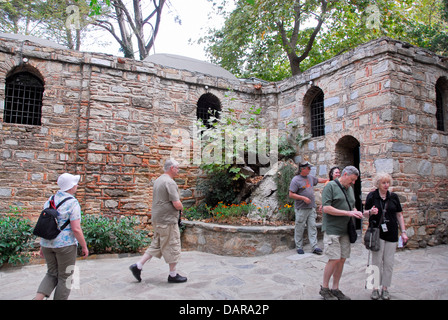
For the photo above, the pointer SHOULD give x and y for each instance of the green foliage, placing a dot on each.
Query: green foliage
(286, 144)
(287, 212)
(283, 180)
(223, 211)
(219, 185)
(202, 211)
(96, 6)
(285, 149)
(16, 237)
(250, 42)
(226, 147)
(113, 235)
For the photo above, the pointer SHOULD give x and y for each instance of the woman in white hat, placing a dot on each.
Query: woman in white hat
(60, 252)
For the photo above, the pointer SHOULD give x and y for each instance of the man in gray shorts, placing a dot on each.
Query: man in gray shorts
(336, 214)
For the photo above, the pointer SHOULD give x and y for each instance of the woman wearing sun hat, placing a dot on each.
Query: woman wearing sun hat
(60, 252)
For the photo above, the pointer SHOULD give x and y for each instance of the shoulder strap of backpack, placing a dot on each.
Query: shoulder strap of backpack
(60, 203)
(68, 221)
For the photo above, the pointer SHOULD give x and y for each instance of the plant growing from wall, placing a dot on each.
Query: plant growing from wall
(288, 144)
(283, 179)
(231, 143)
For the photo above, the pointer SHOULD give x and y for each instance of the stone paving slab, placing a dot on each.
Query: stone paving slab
(418, 274)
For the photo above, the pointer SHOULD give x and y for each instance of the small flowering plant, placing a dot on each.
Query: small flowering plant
(229, 211)
(287, 211)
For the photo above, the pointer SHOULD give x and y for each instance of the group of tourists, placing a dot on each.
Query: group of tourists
(338, 207)
(382, 207)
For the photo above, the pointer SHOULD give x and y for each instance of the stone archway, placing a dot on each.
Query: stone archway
(348, 153)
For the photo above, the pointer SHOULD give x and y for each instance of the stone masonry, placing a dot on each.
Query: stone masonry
(110, 120)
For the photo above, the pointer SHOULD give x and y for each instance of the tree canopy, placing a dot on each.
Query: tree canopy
(273, 40)
(67, 22)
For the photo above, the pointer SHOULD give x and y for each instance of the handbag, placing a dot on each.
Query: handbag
(351, 229)
(372, 235)
(372, 239)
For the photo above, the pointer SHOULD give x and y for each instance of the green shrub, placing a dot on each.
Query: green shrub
(283, 180)
(16, 237)
(219, 186)
(202, 211)
(113, 235)
(228, 211)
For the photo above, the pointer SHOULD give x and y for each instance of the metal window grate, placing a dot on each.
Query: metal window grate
(317, 115)
(439, 113)
(23, 99)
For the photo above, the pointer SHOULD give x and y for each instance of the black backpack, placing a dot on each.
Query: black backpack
(47, 224)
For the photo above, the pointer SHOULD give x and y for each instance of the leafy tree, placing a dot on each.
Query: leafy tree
(428, 27)
(16, 16)
(259, 34)
(63, 21)
(273, 40)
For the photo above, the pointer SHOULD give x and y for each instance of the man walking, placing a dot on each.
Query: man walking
(301, 190)
(336, 214)
(164, 216)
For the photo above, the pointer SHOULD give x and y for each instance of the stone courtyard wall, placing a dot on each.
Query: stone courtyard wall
(109, 119)
(381, 96)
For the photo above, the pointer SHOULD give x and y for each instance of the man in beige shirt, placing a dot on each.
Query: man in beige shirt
(164, 216)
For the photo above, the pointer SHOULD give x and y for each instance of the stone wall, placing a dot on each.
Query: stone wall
(110, 120)
(380, 96)
(239, 241)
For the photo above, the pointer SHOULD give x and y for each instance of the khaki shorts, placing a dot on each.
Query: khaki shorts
(166, 243)
(336, 247)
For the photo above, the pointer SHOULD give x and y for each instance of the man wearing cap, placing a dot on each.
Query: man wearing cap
(301, 190)
(60, 252)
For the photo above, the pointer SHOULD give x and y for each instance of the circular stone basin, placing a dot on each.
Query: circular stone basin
(239, 241)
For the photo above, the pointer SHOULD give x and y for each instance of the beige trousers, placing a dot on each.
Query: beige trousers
(384, 260)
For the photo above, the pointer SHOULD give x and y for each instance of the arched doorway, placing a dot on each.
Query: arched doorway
(208, 106)
(348, 154)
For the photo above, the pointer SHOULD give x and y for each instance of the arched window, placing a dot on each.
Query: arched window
(23, 99)
(208, 106)
(317, 115)
(313, 103)
(441, 103)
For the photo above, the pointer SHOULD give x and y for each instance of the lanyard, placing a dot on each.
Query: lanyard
(383, 204)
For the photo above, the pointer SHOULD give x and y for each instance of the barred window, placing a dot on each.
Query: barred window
(317, 115)
(208, 106)
(23, 99)
(441, 103)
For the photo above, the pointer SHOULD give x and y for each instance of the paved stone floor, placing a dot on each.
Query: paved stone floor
(418, 274)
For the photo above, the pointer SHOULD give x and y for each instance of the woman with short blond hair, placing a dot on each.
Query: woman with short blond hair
(386, 204)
